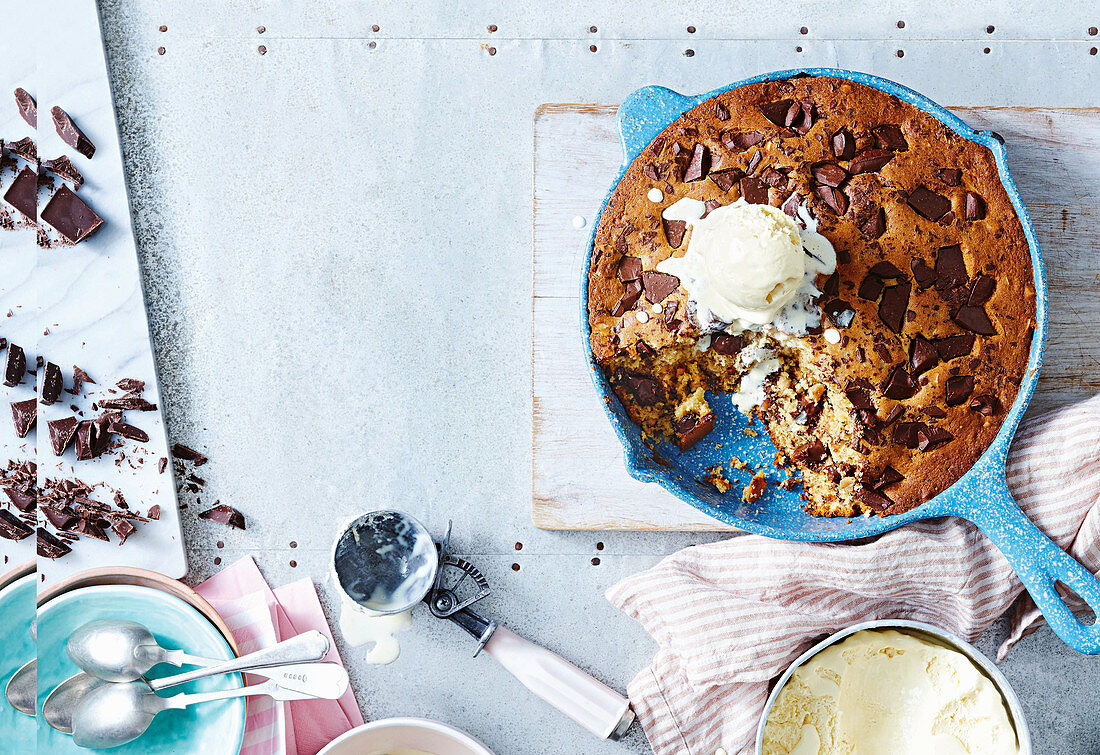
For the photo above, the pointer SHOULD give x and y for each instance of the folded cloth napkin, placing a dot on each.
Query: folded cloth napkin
(258, 618)
(731, 616)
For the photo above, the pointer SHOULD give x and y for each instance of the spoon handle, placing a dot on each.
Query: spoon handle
(180, 658)
(269, 688)
(309, 646)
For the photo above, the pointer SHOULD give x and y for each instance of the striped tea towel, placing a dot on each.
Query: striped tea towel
(258, 618)
(731, 616)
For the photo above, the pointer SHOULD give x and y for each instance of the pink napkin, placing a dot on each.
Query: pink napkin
(260, 617)
(731, 616)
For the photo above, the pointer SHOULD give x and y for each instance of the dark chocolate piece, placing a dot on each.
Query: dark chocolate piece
(699, 166)
(922, 355)
(753, 190)
(872, 499)
(128, 431)
(954, 347)
(726, 344)
(70, 133)
(870, 161)
(905, 433)
(776, 112)
(181, 451)
(724, 179)
(26, 148)
(154, 511)
(980, 290)
(50, 547)
(123, 528)
(888, 477)
(741, 141)
(28, 108)
(70, 215)
(630, 269)
(875, 224)
(15, 366)
(61, 519)
(889, 136)
(224, 514)
(63, 167)
(23, 194)
(986, 405)
(932, 437)
(975, 320)
(950, 268)
(928, 204)
(646, 391)
(62, 432)
(23, 501)
(692, 428)
(631, 292)
(835, 199)
(133, 385)
(658, 286)
(844, 146)
(829, 174)
(674, 232)
(52, 384)
(974, 208)
(130, 403)
(951, 176)
(958, 389)
(12, 527)
(900, 385)
(891, 309)
(25, 415)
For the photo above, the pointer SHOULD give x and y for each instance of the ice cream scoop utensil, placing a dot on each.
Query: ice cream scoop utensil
(115, 714)
(382, 573)
(22, 688)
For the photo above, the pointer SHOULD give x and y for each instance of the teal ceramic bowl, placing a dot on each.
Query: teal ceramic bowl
(17, 608)
(210, 728)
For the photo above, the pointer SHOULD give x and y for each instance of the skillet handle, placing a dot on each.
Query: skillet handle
(1039, 563)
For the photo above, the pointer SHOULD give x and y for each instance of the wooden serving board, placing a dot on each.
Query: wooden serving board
(578, 477)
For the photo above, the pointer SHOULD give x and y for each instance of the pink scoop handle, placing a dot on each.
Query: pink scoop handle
(586, 700)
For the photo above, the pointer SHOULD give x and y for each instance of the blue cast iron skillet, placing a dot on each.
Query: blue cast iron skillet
(981, 496)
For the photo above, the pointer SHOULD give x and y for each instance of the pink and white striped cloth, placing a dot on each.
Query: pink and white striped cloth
(259, 617)
(731, 616)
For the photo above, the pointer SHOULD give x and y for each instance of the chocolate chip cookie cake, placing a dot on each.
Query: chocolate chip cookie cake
(842, 264)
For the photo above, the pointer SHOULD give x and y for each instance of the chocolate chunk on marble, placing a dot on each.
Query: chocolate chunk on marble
(52, 384)
(71, 215)
(50, 547)
(24, 415)
(70, 133)
(26, 148)
(62, 432)
(15, 366)
(28, 108)
(23, 194)
(64, 168)
(12, 527)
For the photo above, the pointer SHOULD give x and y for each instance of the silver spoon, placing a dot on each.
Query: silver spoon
(58, 707)
(121, 651)
(115, 714)
(22, 689)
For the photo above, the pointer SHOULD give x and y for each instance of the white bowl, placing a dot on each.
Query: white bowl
(1016, 713)
(394, 734)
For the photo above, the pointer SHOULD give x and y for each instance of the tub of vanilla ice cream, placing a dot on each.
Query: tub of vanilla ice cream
(897, 687)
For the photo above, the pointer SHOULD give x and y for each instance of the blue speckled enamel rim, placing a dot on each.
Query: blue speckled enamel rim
(981, 495)
(644, 114)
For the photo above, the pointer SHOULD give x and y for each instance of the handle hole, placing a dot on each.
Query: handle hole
(1082, 610)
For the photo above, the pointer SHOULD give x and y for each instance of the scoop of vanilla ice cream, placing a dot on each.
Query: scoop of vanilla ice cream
(883, 691)
(744, 262)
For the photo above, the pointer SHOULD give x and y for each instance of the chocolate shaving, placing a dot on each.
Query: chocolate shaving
(181, 451)
(131, 403)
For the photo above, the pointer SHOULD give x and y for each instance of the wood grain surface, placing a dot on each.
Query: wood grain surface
(579, 480)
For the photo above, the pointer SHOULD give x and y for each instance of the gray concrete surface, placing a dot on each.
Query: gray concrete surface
(335, 238)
